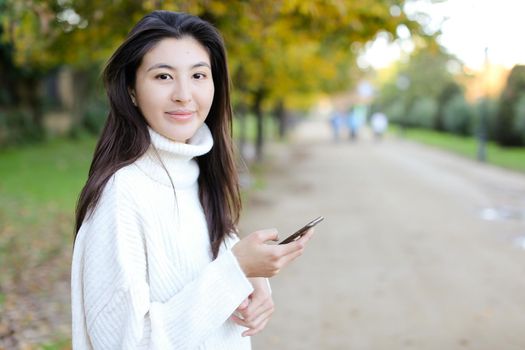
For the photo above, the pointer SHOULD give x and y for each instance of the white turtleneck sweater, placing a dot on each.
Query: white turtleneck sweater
(142, 272)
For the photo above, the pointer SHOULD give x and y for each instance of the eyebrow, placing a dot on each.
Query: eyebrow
(167, 66)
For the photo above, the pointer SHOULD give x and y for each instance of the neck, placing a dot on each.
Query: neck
(167, 160)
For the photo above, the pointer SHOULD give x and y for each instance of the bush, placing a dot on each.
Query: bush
(506, 134)
(485, 108)
(17, 127)
(3, 129)
(458, 116)
(519, 117)
(422, 113)
(395, 112)
(95, 115)
(450, 90)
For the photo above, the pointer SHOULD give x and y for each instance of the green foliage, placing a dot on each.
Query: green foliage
(458, 116)
(282, 50)
(17, 126)
(519, 117)
(414, 84)
(506, 133)
(95, 114)
(485, 111)
(450, 90)
(422, 113)
(396, 112)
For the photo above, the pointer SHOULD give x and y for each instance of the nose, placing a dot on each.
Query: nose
(181, 91)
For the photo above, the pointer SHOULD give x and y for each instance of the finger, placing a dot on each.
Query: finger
(290, 257)
(308, 235)
(253, 331)
(256, 309)
(301, 242)
(243, 305)
(256, 323)
(239, 321)
(267, 235)
(292, 247)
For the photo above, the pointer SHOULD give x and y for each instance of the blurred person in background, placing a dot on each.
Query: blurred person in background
(379, 123)
(157, 263)
(353, 123)
(336, 123)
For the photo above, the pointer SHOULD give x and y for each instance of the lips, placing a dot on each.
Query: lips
(180, 114)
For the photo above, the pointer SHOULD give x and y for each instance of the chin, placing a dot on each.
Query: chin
(181, 137)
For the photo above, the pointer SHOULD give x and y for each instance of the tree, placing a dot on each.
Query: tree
(278, 49)
(519, 118)
(506, 132)
(449, 92)
(458, 116)
(424, 76)
(283, 49)
(20, 103)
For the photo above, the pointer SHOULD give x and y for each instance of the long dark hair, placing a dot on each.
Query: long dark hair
(125, 136)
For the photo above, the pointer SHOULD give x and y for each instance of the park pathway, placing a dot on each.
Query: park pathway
(420, 249)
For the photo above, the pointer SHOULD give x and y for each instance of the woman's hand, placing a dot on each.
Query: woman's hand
(255, 312)
(259, 259)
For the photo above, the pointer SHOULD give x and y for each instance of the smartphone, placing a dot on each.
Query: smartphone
(302, 230)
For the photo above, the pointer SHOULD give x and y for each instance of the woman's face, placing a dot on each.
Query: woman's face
(174, 87)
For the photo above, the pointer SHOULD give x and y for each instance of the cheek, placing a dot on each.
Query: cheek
(209, 96)
(149, 97)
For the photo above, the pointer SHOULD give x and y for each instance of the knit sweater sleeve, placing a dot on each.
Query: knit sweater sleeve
(118, 311)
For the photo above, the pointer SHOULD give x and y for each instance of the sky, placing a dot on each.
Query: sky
(468, 27)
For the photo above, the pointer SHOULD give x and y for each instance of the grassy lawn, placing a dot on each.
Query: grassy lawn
(39, 185)
(511, 158)
(49, 173)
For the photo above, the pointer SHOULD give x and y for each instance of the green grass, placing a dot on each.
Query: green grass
(61, 344)
(39, 186)
(51, 173)
(510, 158)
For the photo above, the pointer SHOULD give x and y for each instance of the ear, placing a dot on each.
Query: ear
(132, 96)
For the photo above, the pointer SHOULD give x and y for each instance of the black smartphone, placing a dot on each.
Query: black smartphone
(302, 230)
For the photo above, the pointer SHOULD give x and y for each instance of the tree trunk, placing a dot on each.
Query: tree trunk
(259, 140)
(77, 97)
(280, 115)
(241, 117)
(31, 100)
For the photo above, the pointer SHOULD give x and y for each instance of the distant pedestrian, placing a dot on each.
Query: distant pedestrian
(336, 123)
(379, 123)
(353, 123)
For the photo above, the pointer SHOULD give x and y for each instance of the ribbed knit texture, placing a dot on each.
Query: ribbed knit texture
(142, 273)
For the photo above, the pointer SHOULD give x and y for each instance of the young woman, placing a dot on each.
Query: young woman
(157, 263)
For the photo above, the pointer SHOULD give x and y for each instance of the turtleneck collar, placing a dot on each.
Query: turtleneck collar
(177, 158)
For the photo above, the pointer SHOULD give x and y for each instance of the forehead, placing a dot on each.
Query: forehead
(177, 52)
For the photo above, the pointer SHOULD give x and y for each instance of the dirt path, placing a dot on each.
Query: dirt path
(419, 250)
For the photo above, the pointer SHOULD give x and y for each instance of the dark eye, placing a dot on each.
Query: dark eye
(163, 76)
(199, 76)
